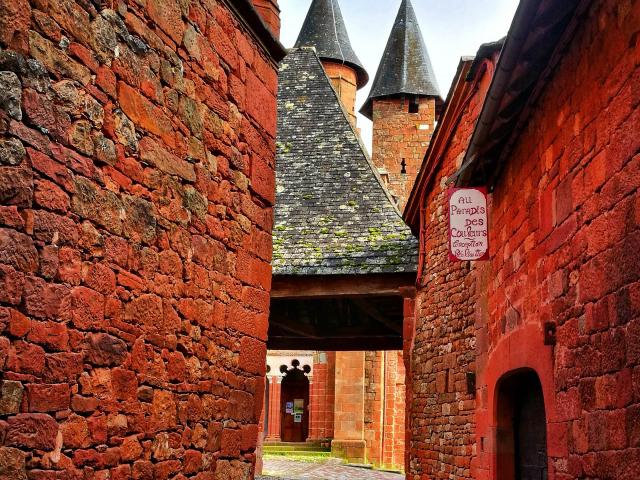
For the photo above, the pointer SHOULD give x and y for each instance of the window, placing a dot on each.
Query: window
(414, 106)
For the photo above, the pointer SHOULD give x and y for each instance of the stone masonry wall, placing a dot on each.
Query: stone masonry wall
(322, 398)
(344, 81)
(373, 405)
(384, 409)
(136, 185)
(399, 135)
(565, 233)
(270, 13)
(442, 421)
(348, 433)
(393, 445)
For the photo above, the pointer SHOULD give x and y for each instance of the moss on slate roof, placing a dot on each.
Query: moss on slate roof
(333, 216)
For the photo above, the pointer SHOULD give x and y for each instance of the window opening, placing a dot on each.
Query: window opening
(414, 107)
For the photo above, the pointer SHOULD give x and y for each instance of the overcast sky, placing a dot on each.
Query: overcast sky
(451, 29)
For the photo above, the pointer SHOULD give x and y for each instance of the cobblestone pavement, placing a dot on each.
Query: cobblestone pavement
(285, 469)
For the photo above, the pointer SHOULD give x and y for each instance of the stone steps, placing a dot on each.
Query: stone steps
(298, 453)
(313, 449)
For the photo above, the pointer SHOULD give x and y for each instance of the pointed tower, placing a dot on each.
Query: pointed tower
(402, 105)
(325, 30)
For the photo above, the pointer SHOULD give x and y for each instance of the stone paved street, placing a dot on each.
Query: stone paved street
(286, 469)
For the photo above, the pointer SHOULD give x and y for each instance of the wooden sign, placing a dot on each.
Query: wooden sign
(468, 224)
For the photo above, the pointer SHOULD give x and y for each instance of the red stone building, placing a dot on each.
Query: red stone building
(527, 365)
(403, 104)
(137, 146)
(370, 387)
(338, 282)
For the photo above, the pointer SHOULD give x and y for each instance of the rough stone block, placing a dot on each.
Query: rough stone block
(48, 398)
(12, 464)
(18, 251)
(51, 335)
(11, 95)
(232, 470)
(144, 113)
(55, 60)
(105, 350)
(253, 354)
(12, 152)
(10, 397)
(16, 186)
(155, 155)
(168, 16)
(32, 430)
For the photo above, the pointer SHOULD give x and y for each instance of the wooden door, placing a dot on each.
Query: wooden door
(530, 434)
(522, 428)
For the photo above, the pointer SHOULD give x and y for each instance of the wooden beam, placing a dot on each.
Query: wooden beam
(371, 311)
(318, 286)
(280, 325)
(298, 331)
(336, 344)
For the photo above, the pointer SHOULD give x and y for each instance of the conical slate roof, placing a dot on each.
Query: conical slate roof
(405, 67)
(325, 30)
(333, 216)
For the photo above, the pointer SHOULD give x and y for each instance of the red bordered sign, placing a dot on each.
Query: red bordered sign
(468, 224)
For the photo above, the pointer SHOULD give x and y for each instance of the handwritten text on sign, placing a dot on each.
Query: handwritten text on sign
(468, 224)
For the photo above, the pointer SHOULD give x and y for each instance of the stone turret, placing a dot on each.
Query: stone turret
(325, 30)
(402, 103)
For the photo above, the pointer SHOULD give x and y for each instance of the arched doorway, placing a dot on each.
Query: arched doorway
(522, 428)
(295, 403)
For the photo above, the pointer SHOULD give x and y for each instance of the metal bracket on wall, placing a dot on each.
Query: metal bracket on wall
(471, 383)
(550, 333)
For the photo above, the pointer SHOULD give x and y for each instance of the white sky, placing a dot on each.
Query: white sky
(451, 29)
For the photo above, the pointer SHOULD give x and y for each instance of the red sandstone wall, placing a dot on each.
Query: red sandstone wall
(322, 398)
(397, 135)
(442, 412)
(348, 441)
(394, 417)
(270, 13)
(408, 338)
(274, 424)
(384, 409)
(565, 231)
(344, 81)
(136, 184)
(373, 405)
(565, 235)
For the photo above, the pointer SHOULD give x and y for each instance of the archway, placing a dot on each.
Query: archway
(521, 437)
(295, 403)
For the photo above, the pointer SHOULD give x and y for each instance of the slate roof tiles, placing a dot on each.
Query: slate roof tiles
(405, 67)
(332, 215)
(325, 30)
